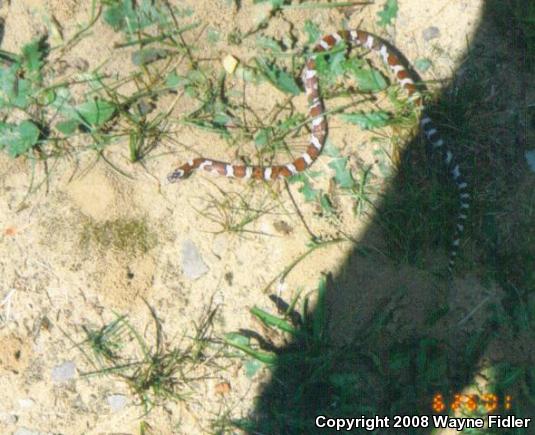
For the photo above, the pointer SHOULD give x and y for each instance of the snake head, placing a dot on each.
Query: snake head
(176, 175)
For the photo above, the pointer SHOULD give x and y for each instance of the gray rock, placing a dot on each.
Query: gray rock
(431, 33)
(64, 372)
(116, 402)
(26, 403)
(192, 263)
(24, 431)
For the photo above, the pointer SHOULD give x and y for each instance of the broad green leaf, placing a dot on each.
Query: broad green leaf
(251, 367)
(330, 150)
(237, 339)
(306, 189)
(14, 91)
(117, 12)
(173, 80)
(95, 112)
(269, 44)
(18, 138)
(32, 59)
(342, 175)
(67, 127)
(336, 64)
(389, 12)
(370, 80)
(262, 137)
(367, 120)
(312, 31)
(130, 16)
(222, 119)
(286, 83)
(278, 77)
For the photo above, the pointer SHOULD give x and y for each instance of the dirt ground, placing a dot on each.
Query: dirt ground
(52, 283)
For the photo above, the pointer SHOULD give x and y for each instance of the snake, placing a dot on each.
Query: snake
(403, 76)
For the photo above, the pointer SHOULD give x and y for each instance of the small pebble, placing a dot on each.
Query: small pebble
(431, 33)
(116, 402)
(230, 63)
(24, 431)
(64, 372)
(192, 263)
(26, 403)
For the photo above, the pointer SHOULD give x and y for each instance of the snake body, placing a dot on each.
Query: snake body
(318, 135)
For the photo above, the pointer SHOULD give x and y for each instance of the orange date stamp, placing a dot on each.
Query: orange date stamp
(487, 402)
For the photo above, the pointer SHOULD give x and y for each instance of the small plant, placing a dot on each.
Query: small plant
(309, 331)
(21, 83)
(124, 235)
(154, 373)
(106, 342)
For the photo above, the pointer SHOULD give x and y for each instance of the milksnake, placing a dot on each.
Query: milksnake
(357, 38)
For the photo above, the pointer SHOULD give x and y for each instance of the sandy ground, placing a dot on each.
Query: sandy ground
(54, 283)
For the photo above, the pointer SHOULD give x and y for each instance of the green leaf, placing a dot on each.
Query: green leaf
(336, 64)
(251, 367)
(18, 138)
(330, 150)
(306, 189)
(278, 77)
(273, 321)
(367, 120)
(262, 137)
(389, 12)
(370, 80)
(131, 16)
(95, 112)
(422, 64)
(238, 341)
(67, 127)
(116, 12)
(173, 80)
(312, 31)
(286, 83)
(326, 204)
(32, 59)
(269, 44)
(342, 175)
(14, 91)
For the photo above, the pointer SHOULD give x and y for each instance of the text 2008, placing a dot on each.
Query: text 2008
(414, 421)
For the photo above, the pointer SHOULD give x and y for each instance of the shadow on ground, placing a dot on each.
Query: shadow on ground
(396, 334)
